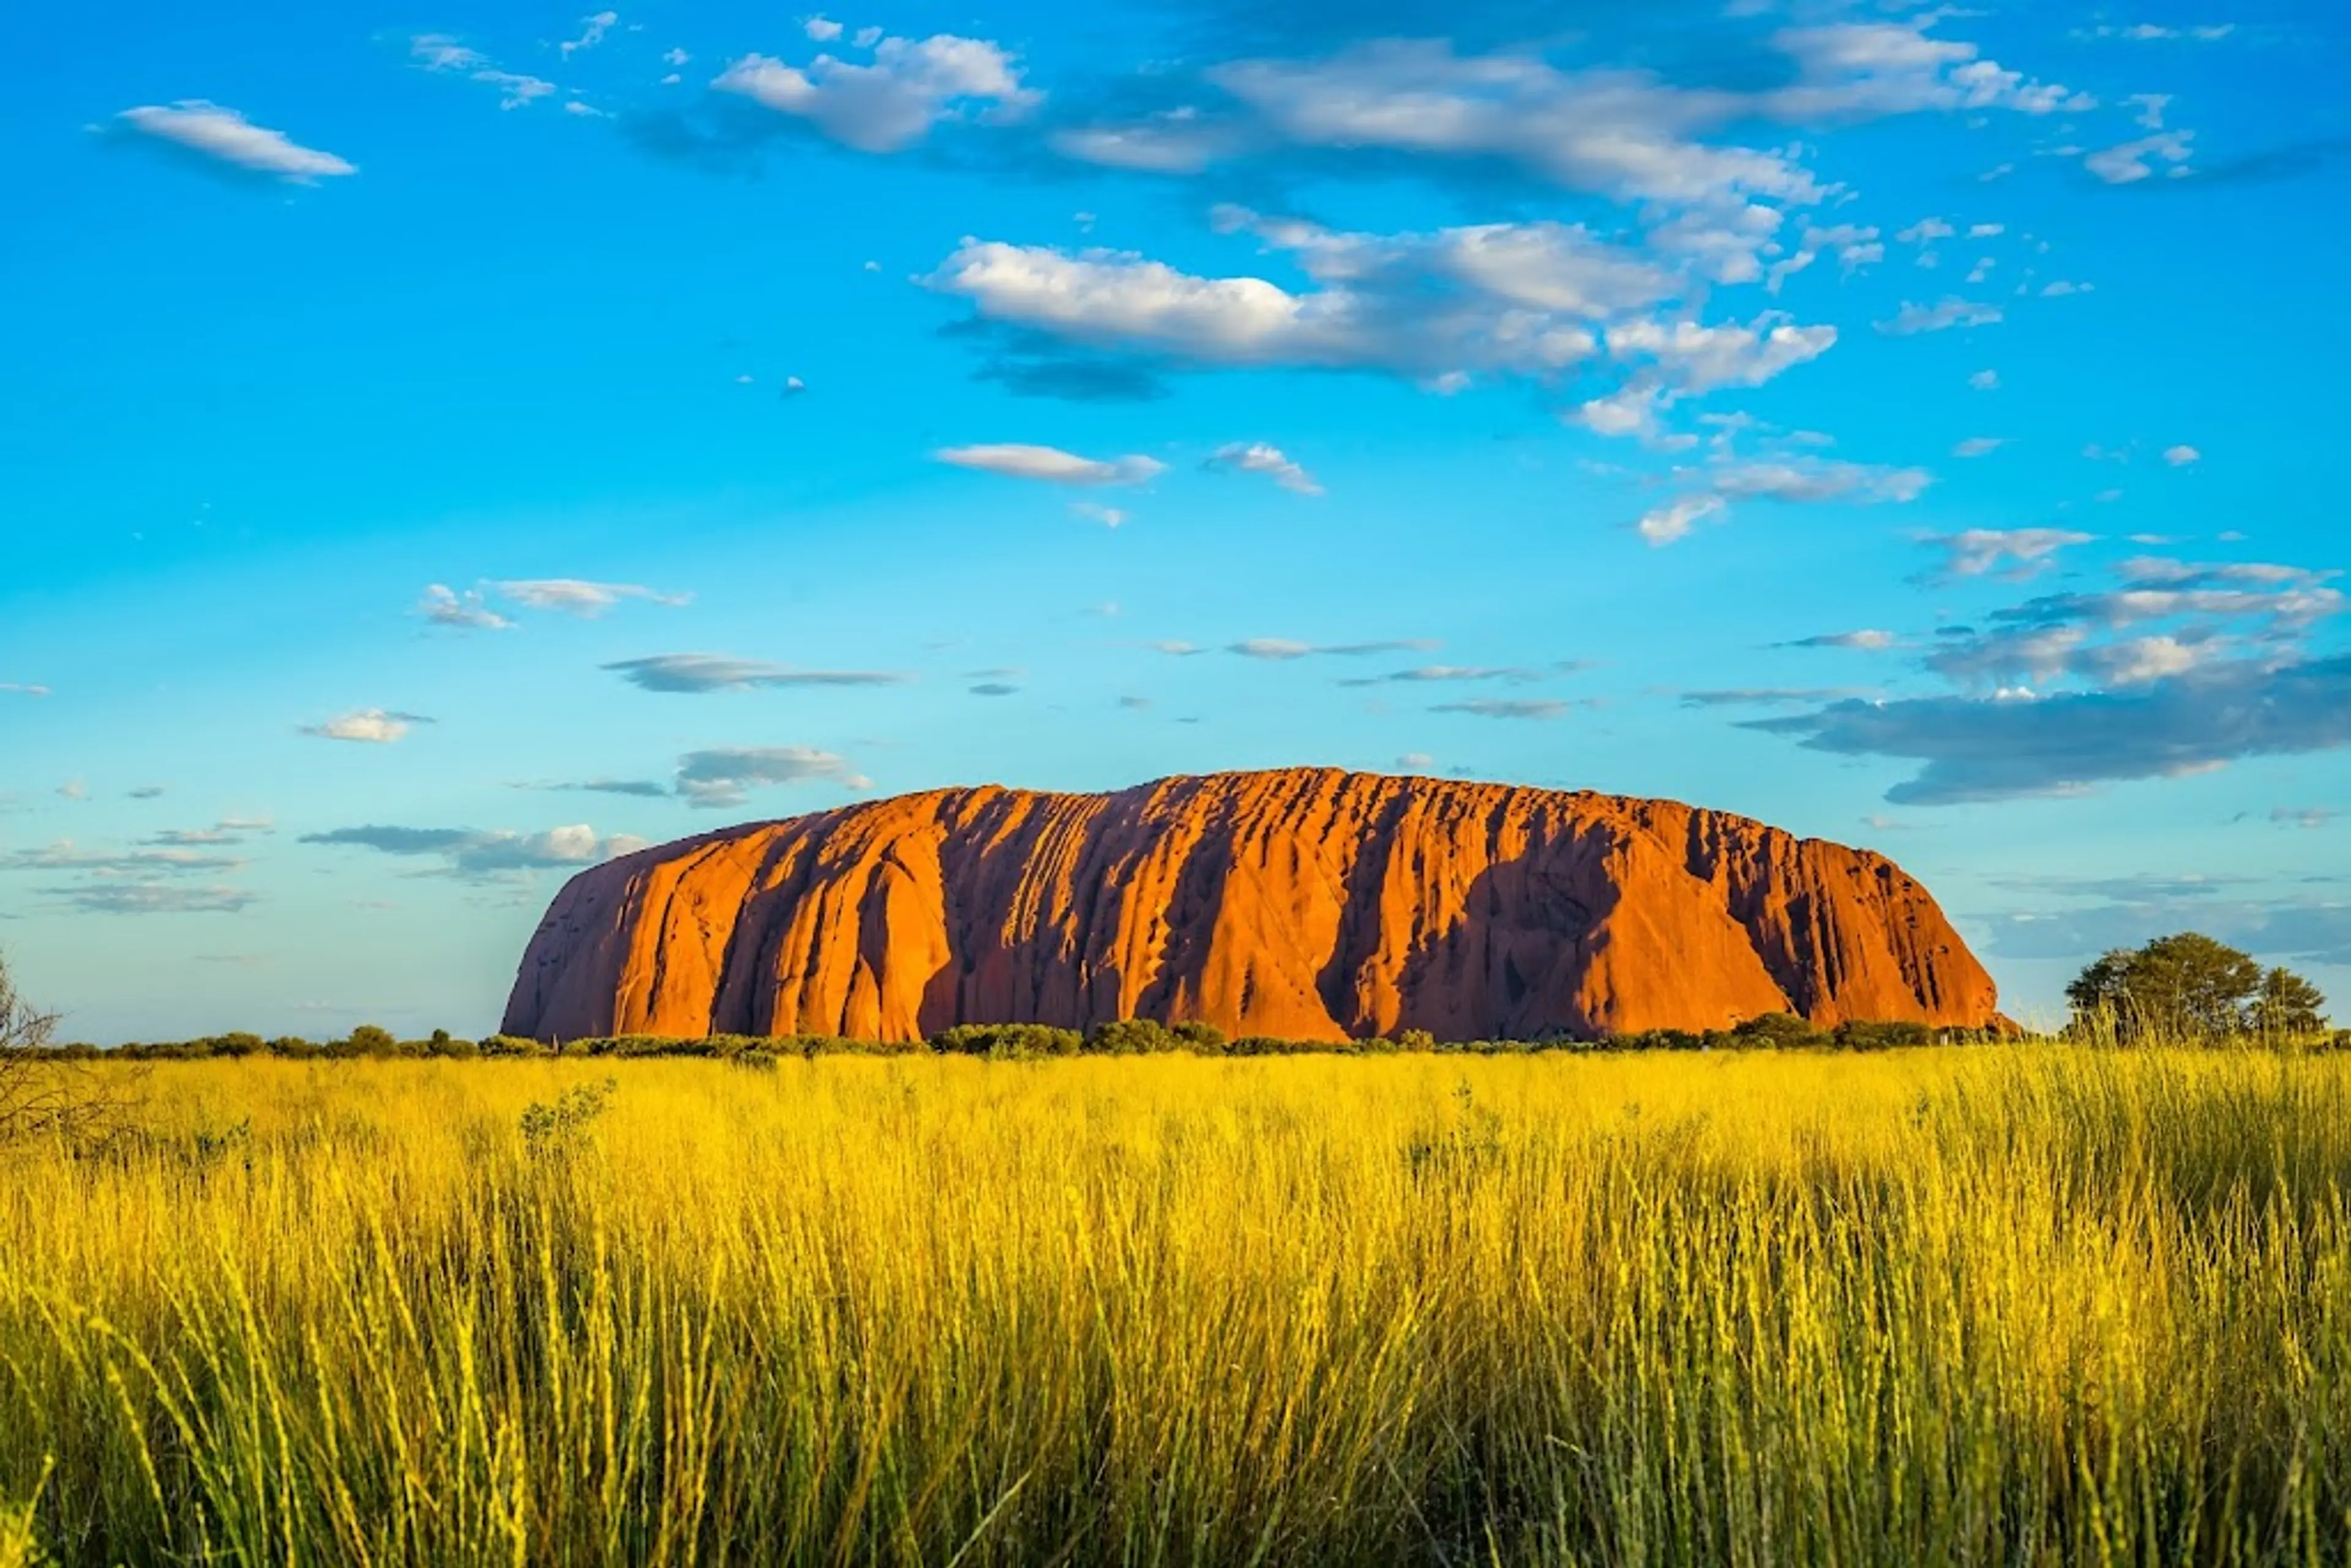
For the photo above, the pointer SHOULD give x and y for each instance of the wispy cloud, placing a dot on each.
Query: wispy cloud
(1019, 461)
(1869, 639)
(1945, 314)
(2013, 552)
(1508, 708)
(1280, 649)
(574, 596)
(696, 672)
(722, 778)
(23, 689)
(1428, 673)
(592, 31)
(369, 726)
(472, 853)
(225, 136)
(441, 52)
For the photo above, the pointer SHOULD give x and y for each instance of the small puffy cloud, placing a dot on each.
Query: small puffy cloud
(369, 726)
(1986, 231)
(697, 673)
(2131, 162)
(1664, 524)
(721, 777)
(445, 606)
(227, 136)
(571, 596)
(1260, 458)
(1508, 708)
(1945, 314)
(1974, 552)
(821, 29)
(2181, 456)
(1416, 762)
(1095, 512)
(1979, 446)
(1926, 231)
(1050, 464)
(892, 103)
(1282, 649)
(1985, 380)
(471, 852)
(2061, 287)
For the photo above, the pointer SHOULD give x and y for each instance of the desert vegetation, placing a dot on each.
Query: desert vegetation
(2005, 1303)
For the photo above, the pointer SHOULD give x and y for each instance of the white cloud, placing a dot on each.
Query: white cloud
(370, 725)
(1508, 708)
(1926, 231)
(1974, 552)
(472, 853)
(1258, 458)
(441, 52)
(2131, 162)
(1283, 649)
(1700, 358)
(1020, 461)
(1095, 512)
(1861, 483)
(1866, 641)
(698, 672)
(2151, 32)
(2061, 287)
(892, 103)
(1985, 380)
(1620, 133)
(2150, 107)
(2182, 455)
(592, 31)
(1940, 317)
(1664, 525)
(572, 596)
(821, 29)
(226, 135)
(675, 58)
(1979, 446)
(721, 777)
(23, 689)
(1416, 762)
(445, 606)
(1986, 231)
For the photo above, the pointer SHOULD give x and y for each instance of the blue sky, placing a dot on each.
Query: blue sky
(448, 446)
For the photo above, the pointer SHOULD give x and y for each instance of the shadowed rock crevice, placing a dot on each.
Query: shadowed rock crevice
(1305, 903)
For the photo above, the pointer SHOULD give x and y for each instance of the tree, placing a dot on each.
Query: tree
(40, 1096)
(2188, 987)
(2288, 1007)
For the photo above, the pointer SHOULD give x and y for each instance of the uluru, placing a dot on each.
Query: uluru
(1309, 904)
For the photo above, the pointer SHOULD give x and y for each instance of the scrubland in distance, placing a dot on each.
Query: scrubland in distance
(1997, 1306)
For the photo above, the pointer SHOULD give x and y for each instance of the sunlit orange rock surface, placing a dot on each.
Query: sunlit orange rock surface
(1309, 904)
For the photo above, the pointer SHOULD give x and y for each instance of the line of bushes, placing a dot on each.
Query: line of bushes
(1018, 1041)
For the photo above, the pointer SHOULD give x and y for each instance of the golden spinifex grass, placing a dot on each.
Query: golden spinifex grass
(1990, 1306)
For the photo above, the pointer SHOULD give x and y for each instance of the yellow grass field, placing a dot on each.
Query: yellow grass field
(2000, 1306)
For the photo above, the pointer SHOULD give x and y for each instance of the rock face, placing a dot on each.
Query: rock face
(1307, 903)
